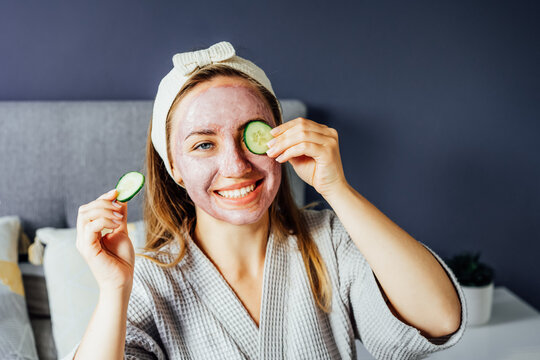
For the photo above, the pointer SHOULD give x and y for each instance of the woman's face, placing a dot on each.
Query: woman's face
(221, 176)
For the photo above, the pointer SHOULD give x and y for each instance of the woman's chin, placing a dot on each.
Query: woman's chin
(250, 213)
(237, 217)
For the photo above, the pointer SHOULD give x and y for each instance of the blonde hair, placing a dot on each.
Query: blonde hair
(169, 212)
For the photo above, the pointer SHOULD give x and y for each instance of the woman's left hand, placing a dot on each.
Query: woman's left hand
(313, 151)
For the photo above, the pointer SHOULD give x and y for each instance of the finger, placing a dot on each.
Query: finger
(111, 194)
(92, 231)
(119, 214)
(122, 208)
(312, 150)
(295, 136)
(301, 122)
(98, 204)
(99, 224)
(96, 213)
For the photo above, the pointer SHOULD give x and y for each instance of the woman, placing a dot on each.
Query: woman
(232, 269)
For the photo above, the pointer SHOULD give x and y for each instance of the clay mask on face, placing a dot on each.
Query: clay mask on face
(220, 174)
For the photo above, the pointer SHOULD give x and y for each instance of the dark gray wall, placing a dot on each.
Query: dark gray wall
(437, 102)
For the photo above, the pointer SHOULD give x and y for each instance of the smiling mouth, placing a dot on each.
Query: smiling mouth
(239, 193)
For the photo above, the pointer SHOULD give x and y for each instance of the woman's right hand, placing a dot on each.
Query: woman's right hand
(111, 258)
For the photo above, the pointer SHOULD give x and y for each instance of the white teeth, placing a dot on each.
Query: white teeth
(237, 193)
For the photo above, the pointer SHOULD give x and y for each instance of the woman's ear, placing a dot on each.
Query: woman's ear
(177, 177)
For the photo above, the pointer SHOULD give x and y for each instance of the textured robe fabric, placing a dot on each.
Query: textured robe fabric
(190, 312)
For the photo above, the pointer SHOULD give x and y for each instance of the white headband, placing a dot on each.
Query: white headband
(186, 65)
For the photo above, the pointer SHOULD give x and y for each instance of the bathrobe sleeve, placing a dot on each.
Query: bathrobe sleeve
(382, 333)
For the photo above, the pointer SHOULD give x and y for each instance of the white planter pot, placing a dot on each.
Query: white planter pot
(479, 303)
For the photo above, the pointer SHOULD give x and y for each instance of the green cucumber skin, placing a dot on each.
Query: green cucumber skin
(129, 198)
(246, 141)
(134, 193)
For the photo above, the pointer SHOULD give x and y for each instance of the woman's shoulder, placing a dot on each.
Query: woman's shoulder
(322, 222)
(317, 218)
(324, 227)
(156, 277)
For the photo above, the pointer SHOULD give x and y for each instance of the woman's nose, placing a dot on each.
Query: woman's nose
(234, 162)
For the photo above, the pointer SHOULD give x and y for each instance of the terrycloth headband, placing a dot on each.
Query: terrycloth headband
(186, 65)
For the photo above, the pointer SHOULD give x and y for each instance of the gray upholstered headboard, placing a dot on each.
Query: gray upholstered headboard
(57, 155)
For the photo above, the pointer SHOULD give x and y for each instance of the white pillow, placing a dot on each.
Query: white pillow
(72, 289)
(16, 337)
(135, 232)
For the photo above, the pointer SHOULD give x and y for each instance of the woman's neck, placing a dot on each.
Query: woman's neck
(237, 250)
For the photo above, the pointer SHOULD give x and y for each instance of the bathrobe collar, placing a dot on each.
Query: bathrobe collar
(267, 341)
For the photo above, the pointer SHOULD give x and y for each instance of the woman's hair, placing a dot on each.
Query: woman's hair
(169, 212)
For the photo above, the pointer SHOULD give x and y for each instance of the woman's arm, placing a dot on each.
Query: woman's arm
(111, 259)
(419, 291)
(105, 335)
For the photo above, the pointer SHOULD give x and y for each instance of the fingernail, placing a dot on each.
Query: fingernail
(116, 221)
(116, 204)
(118, 214)
(274, 131)
(271, 143)
(279, 158)
(270, 151)
(111, 192)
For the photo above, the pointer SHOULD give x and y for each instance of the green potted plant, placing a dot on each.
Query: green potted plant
(476, 280)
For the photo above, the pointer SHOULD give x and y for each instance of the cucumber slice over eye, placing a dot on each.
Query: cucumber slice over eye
(256, 135)
(129, 185)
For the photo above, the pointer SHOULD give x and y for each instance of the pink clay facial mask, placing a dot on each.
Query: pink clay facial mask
(216, 158)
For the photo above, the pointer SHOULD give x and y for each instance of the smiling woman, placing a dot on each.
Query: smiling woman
(232, 268)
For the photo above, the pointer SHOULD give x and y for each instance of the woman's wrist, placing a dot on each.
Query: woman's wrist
(337, 193)
(122, 293)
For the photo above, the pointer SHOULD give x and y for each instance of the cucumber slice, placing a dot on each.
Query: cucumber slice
(129, 185)
(256, 135)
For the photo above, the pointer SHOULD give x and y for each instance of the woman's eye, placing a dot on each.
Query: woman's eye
(204, 146)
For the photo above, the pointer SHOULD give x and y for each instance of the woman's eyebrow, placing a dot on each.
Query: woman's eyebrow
(200, 132)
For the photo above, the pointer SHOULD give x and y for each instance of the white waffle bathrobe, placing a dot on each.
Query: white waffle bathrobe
(190, 312)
